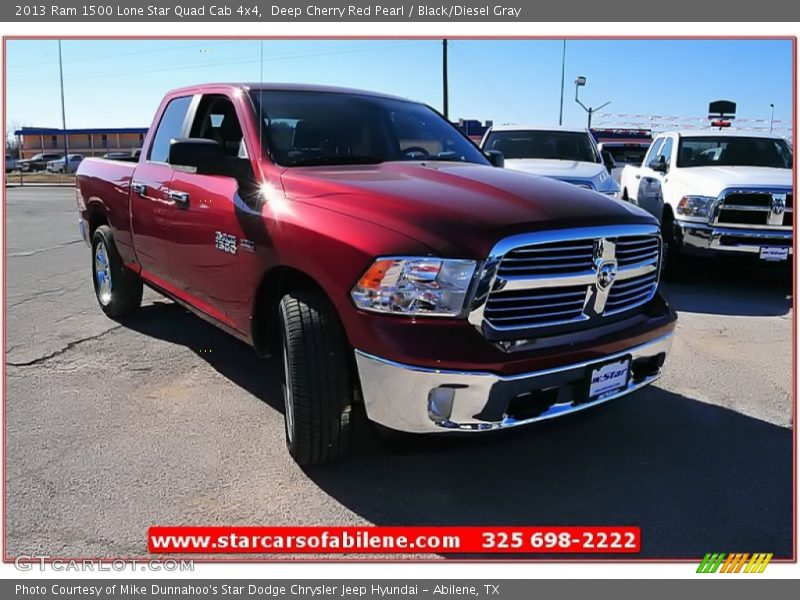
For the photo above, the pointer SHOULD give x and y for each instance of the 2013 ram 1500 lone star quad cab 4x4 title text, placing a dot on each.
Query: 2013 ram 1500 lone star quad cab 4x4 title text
(369, 245)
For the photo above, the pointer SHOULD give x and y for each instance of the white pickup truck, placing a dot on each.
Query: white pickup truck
(564, 153)
(717, 193)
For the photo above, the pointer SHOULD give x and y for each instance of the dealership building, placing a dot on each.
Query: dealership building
(89, 142)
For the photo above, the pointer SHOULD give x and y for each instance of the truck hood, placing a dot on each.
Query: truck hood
(558, 169)
(456, 209)
(710, 181)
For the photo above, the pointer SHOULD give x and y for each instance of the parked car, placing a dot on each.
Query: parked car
(371, 247)
(12, 164)
(718, 193)
(38, 162)
(122, 155)
(563, 153)
(57, 166)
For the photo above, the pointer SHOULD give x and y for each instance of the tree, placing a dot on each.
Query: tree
(12, 141)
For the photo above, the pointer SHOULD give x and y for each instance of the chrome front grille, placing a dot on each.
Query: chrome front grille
(535, 306)
(631, 292)
(570, 276)
(755, 208)
(556, 257)
(636, 249)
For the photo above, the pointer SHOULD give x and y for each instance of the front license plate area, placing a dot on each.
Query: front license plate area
(608, 377)
(773, 253)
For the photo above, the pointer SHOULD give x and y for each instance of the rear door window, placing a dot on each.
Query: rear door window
(170, 126)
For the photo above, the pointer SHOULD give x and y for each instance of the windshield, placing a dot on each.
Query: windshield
(734, 152)
(324, 128)
(557, 145)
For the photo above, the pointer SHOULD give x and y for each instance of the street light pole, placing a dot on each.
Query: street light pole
(771, 116)
(63, 111)
(579, 83)
(563, 68)
(445, 99)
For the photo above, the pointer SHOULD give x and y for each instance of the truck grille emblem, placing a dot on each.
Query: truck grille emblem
(606, 275)
(605, 264)
(778, 203)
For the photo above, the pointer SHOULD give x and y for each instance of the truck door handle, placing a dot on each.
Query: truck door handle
(179, 197)
(638, 176)
(139, 188)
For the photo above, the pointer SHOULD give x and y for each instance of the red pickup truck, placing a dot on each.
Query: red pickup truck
(369, 245)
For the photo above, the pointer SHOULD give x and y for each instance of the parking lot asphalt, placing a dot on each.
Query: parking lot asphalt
(114, 427)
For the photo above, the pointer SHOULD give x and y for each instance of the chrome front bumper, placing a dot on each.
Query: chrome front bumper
(702, 239)
(422, 400)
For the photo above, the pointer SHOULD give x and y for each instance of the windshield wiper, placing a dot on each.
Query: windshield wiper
(312, 161)
(450, 157)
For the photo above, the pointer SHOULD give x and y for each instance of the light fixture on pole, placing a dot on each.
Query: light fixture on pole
(579, 83)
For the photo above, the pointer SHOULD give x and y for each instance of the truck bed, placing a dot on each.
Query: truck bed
(104, 187)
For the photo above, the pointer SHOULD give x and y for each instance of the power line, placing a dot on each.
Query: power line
(486, 81)
(192, 66)
(122, 54)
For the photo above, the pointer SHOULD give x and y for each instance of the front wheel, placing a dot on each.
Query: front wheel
(118, 290)
(317, 379)
(671, 258)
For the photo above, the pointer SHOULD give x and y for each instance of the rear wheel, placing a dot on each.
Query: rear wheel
(317, 379)
(118, 290)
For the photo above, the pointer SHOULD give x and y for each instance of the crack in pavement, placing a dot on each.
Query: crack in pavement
(39, 250)
(38, 295)
(60, 351)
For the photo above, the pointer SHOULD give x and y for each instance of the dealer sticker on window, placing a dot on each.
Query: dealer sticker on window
(774, 253)
(608, 378)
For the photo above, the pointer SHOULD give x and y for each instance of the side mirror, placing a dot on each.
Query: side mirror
(496, 158)
(193, 152)
(658, 164)
(207, 157)
(608, 160)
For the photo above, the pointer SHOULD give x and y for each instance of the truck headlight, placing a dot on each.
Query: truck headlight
(698, 207)
(412, 285)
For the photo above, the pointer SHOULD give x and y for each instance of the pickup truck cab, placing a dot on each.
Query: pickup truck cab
(368, 245)
(38, 162)
(564, 153)
(717, 193)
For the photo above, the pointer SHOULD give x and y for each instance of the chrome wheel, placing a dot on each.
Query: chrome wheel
(102, 273)
(288, 399)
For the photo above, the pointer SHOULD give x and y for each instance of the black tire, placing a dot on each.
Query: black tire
(123, 295)
(671, 258)
(317, 379)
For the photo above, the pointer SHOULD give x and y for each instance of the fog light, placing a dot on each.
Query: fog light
(440, 404)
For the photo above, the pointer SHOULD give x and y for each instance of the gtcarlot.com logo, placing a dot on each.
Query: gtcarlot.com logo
(741, 562)
(44, 563)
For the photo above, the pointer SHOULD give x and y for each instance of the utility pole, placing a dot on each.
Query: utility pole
(563, 68)
(771, 116)
(445, 99)
(579, 83)
(63, 111)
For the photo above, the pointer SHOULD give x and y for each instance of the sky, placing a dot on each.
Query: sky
(119, 83)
